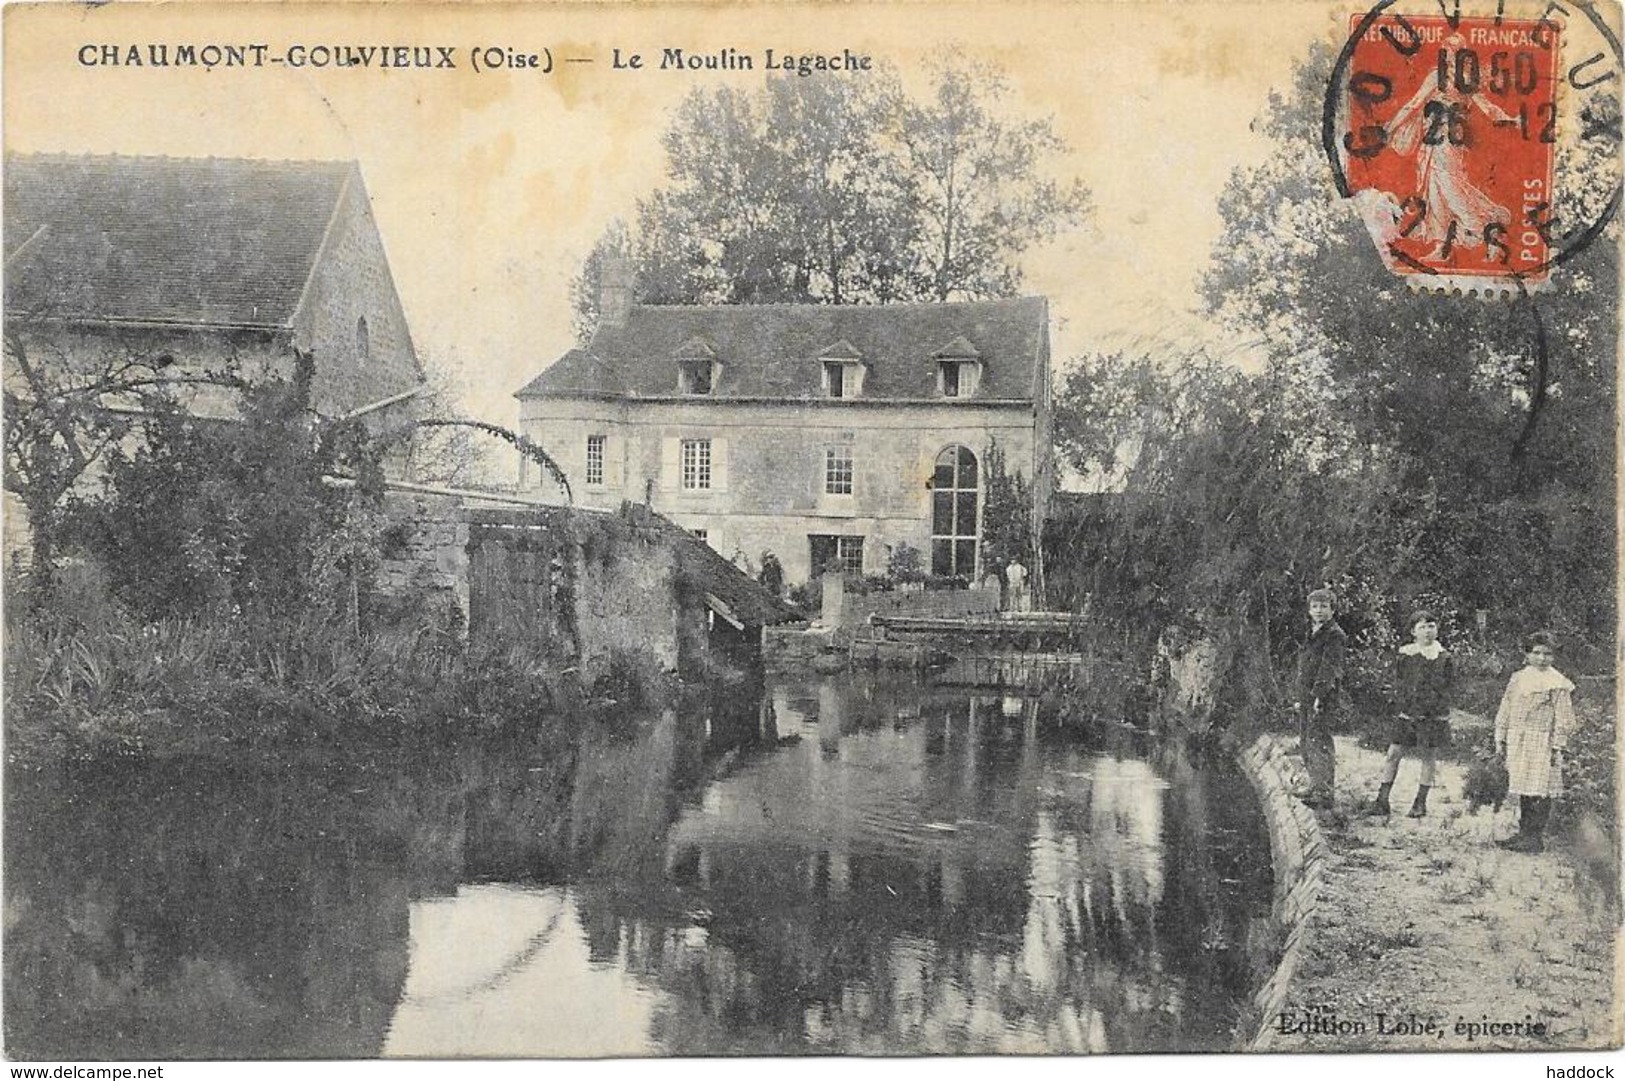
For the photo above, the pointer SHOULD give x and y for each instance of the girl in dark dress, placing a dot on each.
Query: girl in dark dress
(1423, 677)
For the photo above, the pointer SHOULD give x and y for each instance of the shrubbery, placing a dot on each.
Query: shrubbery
(222, 598)
(122, 686)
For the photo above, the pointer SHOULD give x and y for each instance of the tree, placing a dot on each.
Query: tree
(782, 195)
(240, 517)
(1494, 417)
(977, 188)
(67, 403)
(843, 191)
(1007, 512)
(453, 456)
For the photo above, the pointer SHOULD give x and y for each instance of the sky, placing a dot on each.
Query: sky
(490, 186)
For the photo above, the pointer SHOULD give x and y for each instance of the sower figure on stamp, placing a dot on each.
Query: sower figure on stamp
(1532, 727)
(1319, 689)
(1423, 676)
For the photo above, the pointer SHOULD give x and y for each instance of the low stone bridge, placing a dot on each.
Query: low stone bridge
(601, 587)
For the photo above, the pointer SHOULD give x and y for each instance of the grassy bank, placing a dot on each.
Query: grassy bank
(80, 689)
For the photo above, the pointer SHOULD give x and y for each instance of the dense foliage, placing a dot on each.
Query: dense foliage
(1492, 418)
(1406, 448)
(239, 518)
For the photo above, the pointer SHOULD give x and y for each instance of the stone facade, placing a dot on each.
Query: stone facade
(768, 465)
(351, 317)
(823, 427)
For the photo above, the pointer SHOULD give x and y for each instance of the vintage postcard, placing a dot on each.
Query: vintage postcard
(578, 530)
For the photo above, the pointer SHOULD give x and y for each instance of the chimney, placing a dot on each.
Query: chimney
(615, 279)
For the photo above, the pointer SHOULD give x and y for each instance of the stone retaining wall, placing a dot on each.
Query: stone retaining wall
(426, 554)
(854, 609)
(1298, 853)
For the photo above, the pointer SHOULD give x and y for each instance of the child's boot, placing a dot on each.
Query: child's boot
(1419, 806)
(1537, 828)
(1527, 839)
(1378, 807)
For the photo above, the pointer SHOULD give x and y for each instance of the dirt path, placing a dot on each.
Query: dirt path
(1427, 918)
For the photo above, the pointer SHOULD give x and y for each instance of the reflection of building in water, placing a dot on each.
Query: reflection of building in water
(950, 884)
(951, 878)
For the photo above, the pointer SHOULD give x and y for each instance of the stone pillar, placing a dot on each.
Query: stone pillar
(834, 599)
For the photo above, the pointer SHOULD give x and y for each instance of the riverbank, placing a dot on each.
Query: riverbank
(1420, 920)
(77, 691)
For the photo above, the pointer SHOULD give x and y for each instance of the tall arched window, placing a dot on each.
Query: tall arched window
(953, 513)
(363, 341)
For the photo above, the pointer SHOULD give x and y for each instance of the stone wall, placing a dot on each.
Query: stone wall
(768, 458)
(621, 579)
(426, 554)
(626, 601)
(856, 608)
(1298, 854)
(351, 284)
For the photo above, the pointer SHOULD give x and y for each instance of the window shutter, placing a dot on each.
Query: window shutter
(671, 464)
(719, 464)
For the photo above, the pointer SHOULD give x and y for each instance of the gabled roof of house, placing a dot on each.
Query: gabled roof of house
(184, 241)
(773, 350)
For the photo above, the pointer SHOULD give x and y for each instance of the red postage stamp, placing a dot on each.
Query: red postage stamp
(1450, 135)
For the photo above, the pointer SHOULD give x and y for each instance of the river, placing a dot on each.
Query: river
(846, 864)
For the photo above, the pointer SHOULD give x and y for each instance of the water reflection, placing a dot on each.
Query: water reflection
(872, 866)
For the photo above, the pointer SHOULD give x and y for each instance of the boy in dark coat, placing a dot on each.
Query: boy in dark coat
(1319, 687)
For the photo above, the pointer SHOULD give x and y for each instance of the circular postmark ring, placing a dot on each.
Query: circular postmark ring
(1559, 249)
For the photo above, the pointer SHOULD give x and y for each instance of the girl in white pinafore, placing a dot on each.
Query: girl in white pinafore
(1532, 727)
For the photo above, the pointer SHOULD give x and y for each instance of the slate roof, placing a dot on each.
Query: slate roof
(773, 350)
(189, 241)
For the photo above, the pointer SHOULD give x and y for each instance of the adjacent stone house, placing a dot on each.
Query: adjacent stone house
(197, 266)
(202, 262)
(825, 434)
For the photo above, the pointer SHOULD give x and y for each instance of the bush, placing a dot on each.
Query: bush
(905, 564)
(1590, 762)
(809, 597)
(194, 686)
(238, 518)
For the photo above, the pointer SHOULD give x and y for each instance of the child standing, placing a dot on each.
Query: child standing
(1319, 691)
(1532, 727)
(1423, 677)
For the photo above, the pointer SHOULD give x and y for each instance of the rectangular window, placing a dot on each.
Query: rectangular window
(831, 552)
(595, 459)
(838, 470)
(694, 377)
(849, 552)
(696, 465)
(701, 534)
(950, 379)
(835, 379)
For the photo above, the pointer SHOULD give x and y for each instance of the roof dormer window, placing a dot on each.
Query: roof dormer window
(843, 370)
(694, 377)
(959, 369)
(697, 367)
